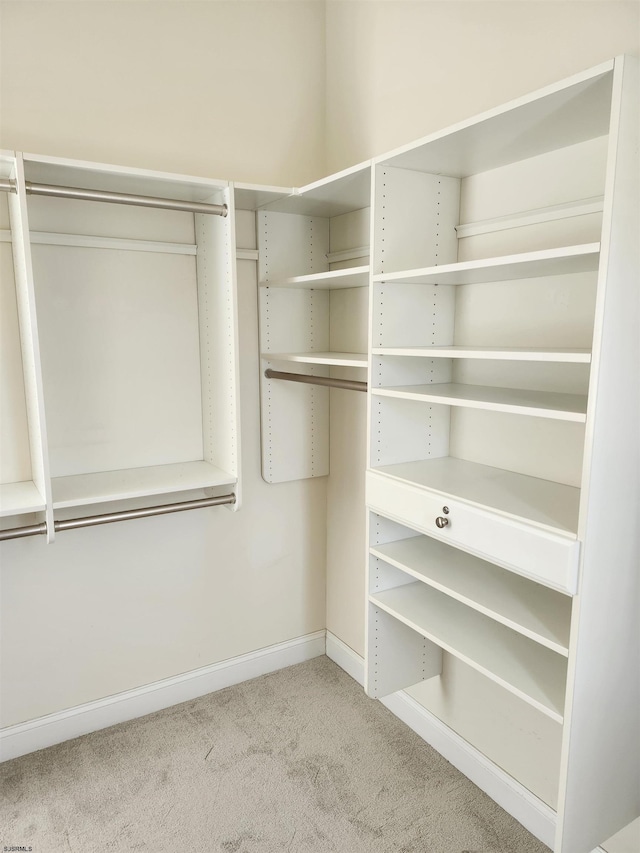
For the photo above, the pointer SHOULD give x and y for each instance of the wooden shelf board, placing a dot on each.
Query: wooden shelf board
(548, 262)
(333, 359)
(535, 673)
(562, 114)
(578, 356)
(254, 196)
(18, 498)
(529, 608)
(334, 195)
(542, 503)
(544, 404)
(353, 277)
(105, 486)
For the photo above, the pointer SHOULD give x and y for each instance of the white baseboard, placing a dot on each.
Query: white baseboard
(513, 797)
(73, 722)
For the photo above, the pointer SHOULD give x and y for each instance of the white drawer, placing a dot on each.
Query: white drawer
(537, 554)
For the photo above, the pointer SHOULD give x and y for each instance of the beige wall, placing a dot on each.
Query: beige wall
(400, 70)
(231, 90)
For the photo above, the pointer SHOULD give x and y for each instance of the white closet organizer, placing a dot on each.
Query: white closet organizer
(137, 360)
(313, 301)
(503, 444)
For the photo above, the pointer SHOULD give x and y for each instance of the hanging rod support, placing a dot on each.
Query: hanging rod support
(116, 198)
(108, 517)
(346, 384)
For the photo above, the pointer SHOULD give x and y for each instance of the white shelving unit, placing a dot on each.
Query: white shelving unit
(564, 261)
(484, 280)
(354, 277)
(314, 276)
(500, 431)
(133, 354)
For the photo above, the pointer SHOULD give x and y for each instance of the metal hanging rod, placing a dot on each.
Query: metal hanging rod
(346, 384)
(116, 198)
(108, 517)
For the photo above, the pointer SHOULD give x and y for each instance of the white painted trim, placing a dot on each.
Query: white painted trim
(54, 728)
(514, 798)
(345, 657)
(518, 801)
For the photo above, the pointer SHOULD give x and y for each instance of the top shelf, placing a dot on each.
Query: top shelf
(548, 262)
(567, 113)
(122, 179)
(332, 279)
(335, 195)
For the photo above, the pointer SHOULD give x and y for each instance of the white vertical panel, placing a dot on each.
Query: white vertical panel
(407, 431)
(218, 324)
(291, 244)
(405, 315)
(415, 219)
(600, 771)
(30, 343)
(397, 656)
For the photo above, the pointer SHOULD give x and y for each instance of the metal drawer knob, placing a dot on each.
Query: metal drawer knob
(441, 521)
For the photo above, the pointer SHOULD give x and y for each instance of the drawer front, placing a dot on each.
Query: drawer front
(536, 554)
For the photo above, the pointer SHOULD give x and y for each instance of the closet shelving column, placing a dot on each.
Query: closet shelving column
(25, 487)
(313, 301)
(138, 330)
(499, 428)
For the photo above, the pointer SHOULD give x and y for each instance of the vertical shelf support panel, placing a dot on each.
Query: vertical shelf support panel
(600, 773)
(398, 657)
(30, 343)
(295, 418)
(218, 324)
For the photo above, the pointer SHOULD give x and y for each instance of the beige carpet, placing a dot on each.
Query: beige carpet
(297, 761)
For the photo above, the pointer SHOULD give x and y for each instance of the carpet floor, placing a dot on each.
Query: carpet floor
(298, 761)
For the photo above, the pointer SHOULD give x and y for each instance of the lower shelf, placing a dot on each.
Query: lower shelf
(534, 673)
(105, 486)
(20, 498)
(531, 609)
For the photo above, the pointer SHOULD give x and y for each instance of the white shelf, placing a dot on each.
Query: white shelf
(566, 355)
(332, 359)
(104, 486)
(18, 498)
(559, 115)
(334, 195)
(64, 172)
(542, 503)
(254, 196)
(548, 262)
(353, 277)
(542, 404)
(528, 608)
(523, 667)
